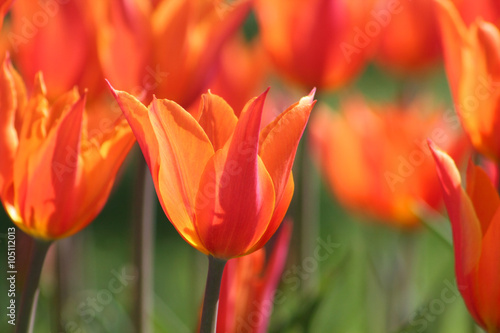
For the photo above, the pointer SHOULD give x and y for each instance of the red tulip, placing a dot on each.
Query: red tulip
(475, 220)
(56, 170)
(472, 59)
(224, 183)
(320, 43)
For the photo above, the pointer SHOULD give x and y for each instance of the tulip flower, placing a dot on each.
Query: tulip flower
(56, 37)
(56, 171)
(248, 287)
(320, 43)
(375, 159)
(475, 221)
(169, 48)
(472, 60)
(409, 40)
(223, 182)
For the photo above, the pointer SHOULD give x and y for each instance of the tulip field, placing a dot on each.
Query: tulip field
(250, 166)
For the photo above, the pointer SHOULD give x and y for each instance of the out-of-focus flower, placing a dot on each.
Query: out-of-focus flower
(56, 170)
(475, 220)
(470, 10)
(375, 159)
(169, 48)
(409, 39)
(224, 183)
(242, 70)
(472, 60)
(56, 37)
(321, 43)
(248, 287)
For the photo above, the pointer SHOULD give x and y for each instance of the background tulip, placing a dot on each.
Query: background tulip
(375, 160)
(472, 59)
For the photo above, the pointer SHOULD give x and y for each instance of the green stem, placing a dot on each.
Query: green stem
(27, 309)
(211, 300)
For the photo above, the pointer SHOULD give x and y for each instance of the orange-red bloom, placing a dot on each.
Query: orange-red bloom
(475, 220)
(472, 59)
(58, 38)
(168, 48)
(248, 287)
(224, 183)
(409, 39)
(56, 170)
(4, 8)
(375, 159)
(316, 43)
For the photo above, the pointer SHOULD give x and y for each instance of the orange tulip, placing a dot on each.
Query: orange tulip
(248, 287)
(472, 59)
(375, 159)
(475, 221)
(224, 183)
(56, 37)
(409, 41)
(320, 43)
(169, 48)
(56, 170)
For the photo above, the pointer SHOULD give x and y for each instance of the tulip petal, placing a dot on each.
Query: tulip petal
(483, 195)
(217, 119)
(138, 118)
(236, 198)
(465, 226)
(279, 141)
(9, 106)
(102, 154)
(49, 176)
(489, 38)
(184, 149)
(453, 35)
(279, 213)
(488, 276)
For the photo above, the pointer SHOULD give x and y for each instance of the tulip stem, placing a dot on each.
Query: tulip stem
(211, 299)
(27, 309)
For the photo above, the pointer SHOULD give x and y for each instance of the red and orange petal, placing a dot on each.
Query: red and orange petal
(224, 184)
(475, 220)
(472, 61)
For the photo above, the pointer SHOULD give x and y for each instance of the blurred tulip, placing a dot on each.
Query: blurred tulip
(56, 37)
(248, 287)
(242, 70)
(409, 41)
(472, 59)
(475, 221)
(470, 10)
(224, 183)
(56, 171)
(321, 43)
(376, 160)
(169, 48)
